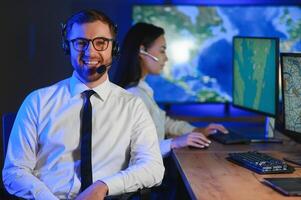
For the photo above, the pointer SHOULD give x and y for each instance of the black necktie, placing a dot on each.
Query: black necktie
(86, 140)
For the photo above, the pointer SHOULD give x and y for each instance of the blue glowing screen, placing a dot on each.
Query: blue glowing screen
(199, 45)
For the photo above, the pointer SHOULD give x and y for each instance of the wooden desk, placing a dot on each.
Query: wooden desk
(208, 175)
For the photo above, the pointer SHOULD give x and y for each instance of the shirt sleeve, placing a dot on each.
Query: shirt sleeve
(146, 166)
(177, 127)
(18, 172)
(165, 147)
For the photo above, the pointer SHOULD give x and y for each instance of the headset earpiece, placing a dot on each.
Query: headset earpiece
(65, 43)
(66, 47)
(143, 52)
(115, 49)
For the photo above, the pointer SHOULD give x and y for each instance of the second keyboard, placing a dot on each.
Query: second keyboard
(260, 162)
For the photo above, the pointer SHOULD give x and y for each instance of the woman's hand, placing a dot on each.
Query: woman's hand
(192, 139)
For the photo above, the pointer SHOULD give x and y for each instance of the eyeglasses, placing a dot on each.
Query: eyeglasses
(99, 43)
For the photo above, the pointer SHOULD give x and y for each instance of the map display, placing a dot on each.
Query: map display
(199, 45)
(292, 92)
(255, 68)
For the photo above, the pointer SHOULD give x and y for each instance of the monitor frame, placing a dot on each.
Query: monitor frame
(276, 39)
(290, 133)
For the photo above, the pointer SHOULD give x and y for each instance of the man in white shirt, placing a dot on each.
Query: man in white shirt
(43, 156)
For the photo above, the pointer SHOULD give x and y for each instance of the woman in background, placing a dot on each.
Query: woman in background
(144, 52)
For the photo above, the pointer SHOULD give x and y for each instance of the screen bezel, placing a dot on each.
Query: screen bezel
(276, 81)
(293, 134)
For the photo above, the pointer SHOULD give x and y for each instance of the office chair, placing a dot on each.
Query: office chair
(8, 120)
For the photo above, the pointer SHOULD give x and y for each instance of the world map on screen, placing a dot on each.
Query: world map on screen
(199, 45)
(292, 92)
(255, 62)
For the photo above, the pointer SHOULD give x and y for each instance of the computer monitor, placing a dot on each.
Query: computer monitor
(291, 97)
(255, 74)
(291, 94)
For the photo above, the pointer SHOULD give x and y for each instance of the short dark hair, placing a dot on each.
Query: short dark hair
(86, 16)
(129, 72)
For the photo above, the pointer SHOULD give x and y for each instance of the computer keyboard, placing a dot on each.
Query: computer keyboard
(260, 162)
(230, 138)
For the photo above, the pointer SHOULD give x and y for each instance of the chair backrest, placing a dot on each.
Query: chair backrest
(8, 120)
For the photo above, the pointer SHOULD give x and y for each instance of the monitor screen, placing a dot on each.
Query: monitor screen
(291, 93)
(199, 45)
(255, 74)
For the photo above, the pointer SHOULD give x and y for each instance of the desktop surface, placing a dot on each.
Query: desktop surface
(207, 174)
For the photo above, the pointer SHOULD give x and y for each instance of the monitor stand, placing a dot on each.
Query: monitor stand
(269, 133)
(227, 108)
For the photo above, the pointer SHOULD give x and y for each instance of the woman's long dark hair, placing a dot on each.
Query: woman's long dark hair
(128, 71)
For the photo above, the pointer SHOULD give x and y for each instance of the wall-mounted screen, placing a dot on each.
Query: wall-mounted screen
(199, 45)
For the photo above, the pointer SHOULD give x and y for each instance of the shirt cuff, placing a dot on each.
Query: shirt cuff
(165, 147)
(188, 128)
(115, 184)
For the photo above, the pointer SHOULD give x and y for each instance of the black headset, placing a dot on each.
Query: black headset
(66, 45)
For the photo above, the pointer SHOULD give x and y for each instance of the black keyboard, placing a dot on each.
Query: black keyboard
(260, 162)
(230, 138)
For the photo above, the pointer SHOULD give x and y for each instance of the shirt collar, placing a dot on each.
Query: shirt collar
(77, 87)
(144, 86)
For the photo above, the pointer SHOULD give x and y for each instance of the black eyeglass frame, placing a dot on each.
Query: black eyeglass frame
(107, 40)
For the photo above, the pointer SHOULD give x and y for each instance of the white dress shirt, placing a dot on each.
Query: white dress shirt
(164, 124)
(43, 156)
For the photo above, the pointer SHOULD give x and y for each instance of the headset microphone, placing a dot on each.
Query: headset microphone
(149, 55)
(102, 68)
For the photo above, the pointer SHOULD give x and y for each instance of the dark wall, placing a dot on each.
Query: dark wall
(31, 55)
